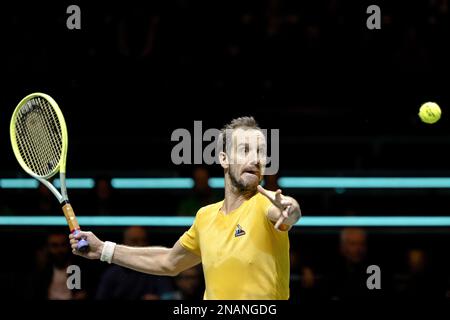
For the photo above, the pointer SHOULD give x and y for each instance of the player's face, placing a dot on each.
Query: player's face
(247, 158)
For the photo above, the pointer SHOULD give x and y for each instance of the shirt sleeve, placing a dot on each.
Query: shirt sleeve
(190, 239)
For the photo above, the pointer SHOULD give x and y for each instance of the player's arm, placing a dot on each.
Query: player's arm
(153, 260)
(284, 211)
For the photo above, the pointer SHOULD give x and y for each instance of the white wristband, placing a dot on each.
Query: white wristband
(108, 251)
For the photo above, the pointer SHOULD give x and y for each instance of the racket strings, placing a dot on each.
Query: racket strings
(52, 125)
(38, 144)
(40, 139)
(50, 136)
(29, 142)
(39, 136)
(28, 149)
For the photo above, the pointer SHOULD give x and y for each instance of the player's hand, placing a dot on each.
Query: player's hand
(288, 208)
(95, 245)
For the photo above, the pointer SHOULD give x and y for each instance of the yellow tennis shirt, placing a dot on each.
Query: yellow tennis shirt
(243, 256)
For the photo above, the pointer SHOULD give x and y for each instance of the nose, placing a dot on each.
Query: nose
(253, 158)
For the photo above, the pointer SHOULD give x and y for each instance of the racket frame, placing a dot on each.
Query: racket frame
(60, 167)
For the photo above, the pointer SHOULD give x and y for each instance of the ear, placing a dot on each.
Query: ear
(224, 161)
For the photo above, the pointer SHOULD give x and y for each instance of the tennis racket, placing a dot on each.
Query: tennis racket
(39, 140)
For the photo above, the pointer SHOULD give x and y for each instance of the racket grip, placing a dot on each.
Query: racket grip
(83, 244)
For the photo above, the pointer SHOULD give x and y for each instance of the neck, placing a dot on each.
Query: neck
(233, 196)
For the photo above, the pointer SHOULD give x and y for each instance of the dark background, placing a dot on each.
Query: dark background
(345, 99)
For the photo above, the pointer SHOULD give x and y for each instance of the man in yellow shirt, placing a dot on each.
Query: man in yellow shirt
(241, 241)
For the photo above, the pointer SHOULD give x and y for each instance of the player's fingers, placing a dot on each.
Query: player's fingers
(278, 196)
(81, 234)
(72, 241)
(279, 222)
(74, 246)
(274, 197)
(265, 192)
(285, 212)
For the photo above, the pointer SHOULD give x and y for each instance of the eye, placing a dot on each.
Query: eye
(261, 151)
(243, 149)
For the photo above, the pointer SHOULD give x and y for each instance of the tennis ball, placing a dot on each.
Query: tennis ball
(430, 112)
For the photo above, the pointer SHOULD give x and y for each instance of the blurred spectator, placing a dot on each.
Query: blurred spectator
(51, 282)
(201, 196)
(103, 203)
(189, 285)
(304, 284)
(353, 245)
(137, 33)
(46, 202)
(348, 278)
(126, 284)
(419, 280)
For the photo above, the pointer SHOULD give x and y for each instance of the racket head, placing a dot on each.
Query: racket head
(38, 135)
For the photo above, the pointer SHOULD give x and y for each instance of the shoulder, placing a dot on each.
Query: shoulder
(261, 201)
(209, 209)
(207, 213)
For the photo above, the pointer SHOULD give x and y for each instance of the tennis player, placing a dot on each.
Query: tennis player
(241, 241)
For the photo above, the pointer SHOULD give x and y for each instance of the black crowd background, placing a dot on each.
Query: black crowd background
(345, 99)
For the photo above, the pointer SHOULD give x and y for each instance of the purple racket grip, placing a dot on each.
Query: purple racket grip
(82, 245)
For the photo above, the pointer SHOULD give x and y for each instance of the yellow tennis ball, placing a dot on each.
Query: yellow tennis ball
(430, 112)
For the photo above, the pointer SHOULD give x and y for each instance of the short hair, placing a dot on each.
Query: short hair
(241, 122)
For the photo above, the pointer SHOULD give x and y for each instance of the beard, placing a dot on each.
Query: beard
(241, 186)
